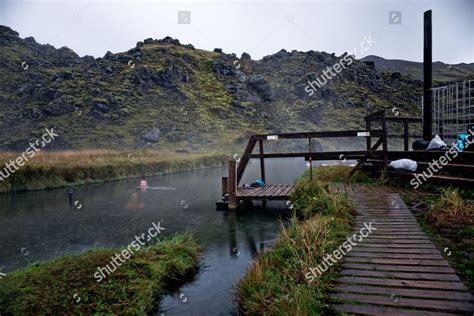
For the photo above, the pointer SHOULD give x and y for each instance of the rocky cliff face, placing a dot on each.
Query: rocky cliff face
(162, 94)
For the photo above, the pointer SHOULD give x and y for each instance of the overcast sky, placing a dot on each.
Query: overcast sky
(93, 27)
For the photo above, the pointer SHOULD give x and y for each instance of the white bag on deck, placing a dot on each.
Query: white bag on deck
(437, 143)
(404, 164)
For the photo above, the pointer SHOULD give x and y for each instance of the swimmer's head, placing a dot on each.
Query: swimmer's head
(143, 185)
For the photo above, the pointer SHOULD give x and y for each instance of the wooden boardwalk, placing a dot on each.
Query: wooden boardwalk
(267, 192)
(396, 270)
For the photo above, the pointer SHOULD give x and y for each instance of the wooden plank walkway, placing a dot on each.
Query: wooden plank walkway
(396, 270)
(267, 192)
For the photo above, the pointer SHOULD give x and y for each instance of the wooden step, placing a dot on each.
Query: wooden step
(436, 178)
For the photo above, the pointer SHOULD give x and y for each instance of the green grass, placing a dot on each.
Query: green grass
(67, 168)
(452, 217)
(339, 173)
(134, 288)
(275, 284)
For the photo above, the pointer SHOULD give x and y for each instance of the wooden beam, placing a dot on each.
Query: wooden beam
(384, 143)
(403, 119)
(262, 161)
(369, 138)
(405, 136)
(245, 158)
(225, 185)
(374, 116)
(232, 186)
(352, 133)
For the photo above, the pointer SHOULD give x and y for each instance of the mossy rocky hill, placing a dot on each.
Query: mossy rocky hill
(165, 95)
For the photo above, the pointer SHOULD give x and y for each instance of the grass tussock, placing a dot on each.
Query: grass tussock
(275, 284)
(451, 210)
(66, 168)
(134, 288)
(449, 220)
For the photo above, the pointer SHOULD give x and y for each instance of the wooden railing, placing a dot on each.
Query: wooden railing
(372, 150)
(309, 155)
(380, 116)
(380, 134)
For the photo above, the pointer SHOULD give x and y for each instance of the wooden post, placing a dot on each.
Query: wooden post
(262, 169)
(310, 162)
(225, 185)
(262, 161)
(427, 76)
(406, 135)
(232, 186)
(385, 144)
(369, 138)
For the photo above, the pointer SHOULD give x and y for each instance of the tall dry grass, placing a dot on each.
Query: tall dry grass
(451, 210)
(276, 283)
(67, 168)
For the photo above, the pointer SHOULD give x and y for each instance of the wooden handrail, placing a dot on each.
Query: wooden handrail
(382, 134)
(330, 134)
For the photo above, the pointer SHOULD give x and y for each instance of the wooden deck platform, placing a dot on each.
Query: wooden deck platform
(267, 192)
(396, 270)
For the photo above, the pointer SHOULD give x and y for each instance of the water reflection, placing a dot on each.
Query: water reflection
(48, 224)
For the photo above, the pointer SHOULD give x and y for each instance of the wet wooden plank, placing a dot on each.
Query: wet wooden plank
(289, 190)
(395, 236)
(392, 245)
(269, 190)
(401, 275)
(441, 263)
(265, 191)
(396, 241)
(404, 283)
(403, 232)
(408, 302)
(396, 250)
(419, 293)
(415, 256)
(385, 267)
(279, 190)
(386, 311)
(397, 223)
(400, 218)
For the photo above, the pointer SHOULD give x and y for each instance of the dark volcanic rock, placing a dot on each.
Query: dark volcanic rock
(245, 56)
(66, 75)
(396, 76)
(166, 77)
(168, 40)
(58, 109)
(5, 30)
(370, 64)
(263, 88)
(153, 135)
(223, 69)
(100, 107)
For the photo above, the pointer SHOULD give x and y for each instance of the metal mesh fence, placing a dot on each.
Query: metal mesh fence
(453, 109)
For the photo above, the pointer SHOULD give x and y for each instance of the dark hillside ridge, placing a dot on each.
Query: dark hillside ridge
(441, 72)
(162, 94)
